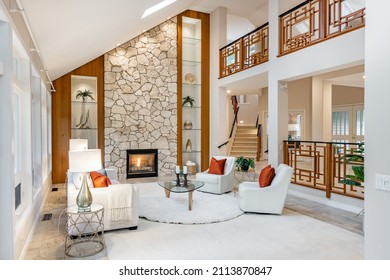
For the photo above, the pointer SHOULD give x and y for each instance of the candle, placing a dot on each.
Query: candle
(185, 169)
(177, 169)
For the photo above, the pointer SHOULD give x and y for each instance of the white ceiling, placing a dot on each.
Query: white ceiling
(70, 33)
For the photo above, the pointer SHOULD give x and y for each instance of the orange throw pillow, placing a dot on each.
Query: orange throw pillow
(217, 166)
(99, 180)
(267, 174)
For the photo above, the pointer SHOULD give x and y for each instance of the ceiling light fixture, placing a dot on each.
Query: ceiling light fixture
(157, 7)
(228, 91)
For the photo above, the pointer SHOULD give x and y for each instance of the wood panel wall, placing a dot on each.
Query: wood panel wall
(61, 115)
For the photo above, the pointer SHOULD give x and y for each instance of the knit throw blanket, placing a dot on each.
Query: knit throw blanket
(119, 202)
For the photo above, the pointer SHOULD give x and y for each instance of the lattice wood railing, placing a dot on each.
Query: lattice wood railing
(323, 166)
(314, 21)
(309, 23)
(248, 51)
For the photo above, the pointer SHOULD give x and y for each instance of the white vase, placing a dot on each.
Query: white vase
(189, 146)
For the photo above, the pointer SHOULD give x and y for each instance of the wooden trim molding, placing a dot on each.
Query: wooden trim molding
(205, 88)
(61, 115)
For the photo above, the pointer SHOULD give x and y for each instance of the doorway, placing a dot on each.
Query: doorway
(348, 123)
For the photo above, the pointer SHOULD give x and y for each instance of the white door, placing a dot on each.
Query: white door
(348, 124)
(358, 123)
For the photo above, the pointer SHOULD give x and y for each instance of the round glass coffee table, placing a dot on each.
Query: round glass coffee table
(170, 186)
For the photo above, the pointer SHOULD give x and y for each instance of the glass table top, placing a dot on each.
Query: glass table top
(171, 186)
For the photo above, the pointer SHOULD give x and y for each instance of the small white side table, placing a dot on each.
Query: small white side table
(84, 231)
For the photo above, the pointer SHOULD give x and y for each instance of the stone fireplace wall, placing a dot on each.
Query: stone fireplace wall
(141, 98)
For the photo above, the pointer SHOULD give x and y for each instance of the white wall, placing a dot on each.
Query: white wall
(248, 110)
(377, 100)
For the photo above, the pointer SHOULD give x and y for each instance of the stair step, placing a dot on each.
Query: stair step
(248, 155)
(244, 148)
(250, 131)
(245, 140)
(246, 135)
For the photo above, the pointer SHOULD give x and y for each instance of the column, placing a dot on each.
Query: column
(219, 124)
(277, 93)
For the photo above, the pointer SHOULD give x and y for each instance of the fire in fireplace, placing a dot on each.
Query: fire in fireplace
(142, 163)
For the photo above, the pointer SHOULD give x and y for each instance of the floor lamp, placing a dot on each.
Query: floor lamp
(84, 162)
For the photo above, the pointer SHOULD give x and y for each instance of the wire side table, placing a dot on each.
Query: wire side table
(84, 231)
(242, 176)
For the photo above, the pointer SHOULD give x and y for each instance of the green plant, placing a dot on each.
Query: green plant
(355, 156)
(84, 94)
(244, 163)
(188, 99)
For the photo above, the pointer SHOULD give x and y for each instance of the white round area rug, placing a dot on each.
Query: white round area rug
(206, 208)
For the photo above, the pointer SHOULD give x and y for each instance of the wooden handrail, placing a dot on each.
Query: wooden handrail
(247, 51)
(223, 144)
(323, 166)
(258, 150)
(234, 122)
(317, 20)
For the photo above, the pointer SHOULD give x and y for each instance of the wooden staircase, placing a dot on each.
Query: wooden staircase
(245, 142)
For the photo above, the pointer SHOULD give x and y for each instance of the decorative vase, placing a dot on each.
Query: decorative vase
(84, 197)
(189, 146)
(187, 124)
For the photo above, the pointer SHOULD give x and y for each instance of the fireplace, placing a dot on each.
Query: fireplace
(142, 163)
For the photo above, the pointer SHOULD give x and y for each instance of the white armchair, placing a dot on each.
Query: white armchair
(102, 196)
(218, 184)
(269, 199)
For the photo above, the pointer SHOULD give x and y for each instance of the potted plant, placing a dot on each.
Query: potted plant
(188, 99)
(84, 94)
(243, 164)
(355, 156)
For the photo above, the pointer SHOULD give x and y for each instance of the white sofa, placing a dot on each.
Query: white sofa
(218, 184)
(269, 199)
(101, 195)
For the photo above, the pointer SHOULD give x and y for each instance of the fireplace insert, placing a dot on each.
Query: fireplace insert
(142, 163)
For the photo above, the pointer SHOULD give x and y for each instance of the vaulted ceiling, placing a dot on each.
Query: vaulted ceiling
(69, 33)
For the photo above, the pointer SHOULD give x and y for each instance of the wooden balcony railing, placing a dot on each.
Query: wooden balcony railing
(323, 166)
(311, 22)
(314, 21)
(248, 51)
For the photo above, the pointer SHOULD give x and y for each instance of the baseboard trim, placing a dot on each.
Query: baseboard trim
(326, 201)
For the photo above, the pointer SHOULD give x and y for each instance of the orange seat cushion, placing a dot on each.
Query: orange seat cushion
(99, 180)
(217, 166)
(267, 174)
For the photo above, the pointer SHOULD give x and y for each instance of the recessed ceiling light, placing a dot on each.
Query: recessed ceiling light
(228, 91)
(157, 7)
(364, 77)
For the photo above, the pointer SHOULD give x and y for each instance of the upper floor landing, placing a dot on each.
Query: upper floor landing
(309, 23)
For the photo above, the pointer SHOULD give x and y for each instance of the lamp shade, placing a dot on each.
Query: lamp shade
(78, 144)
(85, 161)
